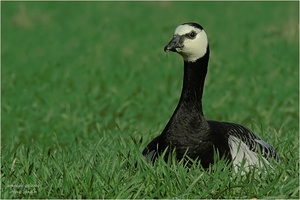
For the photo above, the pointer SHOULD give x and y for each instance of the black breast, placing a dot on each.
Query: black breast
(188, 133)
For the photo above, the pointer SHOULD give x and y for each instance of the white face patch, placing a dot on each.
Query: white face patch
(193, 48)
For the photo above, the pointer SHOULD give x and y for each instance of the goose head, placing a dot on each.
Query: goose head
(190, 41)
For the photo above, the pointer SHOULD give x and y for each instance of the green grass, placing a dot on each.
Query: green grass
(86, 85)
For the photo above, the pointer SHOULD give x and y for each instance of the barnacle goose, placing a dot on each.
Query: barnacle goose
(188, 133)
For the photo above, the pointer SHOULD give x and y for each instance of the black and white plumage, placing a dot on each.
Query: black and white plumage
(188, 132)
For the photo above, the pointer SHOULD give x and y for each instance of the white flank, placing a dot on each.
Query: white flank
(241, 154)
(150, 155)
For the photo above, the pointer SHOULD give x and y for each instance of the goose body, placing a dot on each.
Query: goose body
(188, 132)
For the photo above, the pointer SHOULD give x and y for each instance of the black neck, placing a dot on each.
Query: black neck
(193, 81)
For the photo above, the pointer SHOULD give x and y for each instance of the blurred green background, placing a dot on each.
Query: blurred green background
(75, 69)
(86, 85)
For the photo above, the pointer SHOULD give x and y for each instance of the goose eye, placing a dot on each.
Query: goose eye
(192, 34)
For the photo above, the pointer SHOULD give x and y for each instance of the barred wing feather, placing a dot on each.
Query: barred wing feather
(245, 144)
